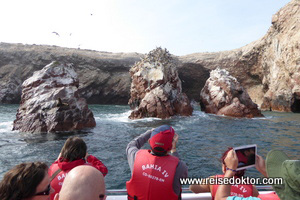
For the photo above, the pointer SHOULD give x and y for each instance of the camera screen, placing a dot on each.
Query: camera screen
(246, 156)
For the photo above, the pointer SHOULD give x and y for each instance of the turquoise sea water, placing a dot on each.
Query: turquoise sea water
(202, 139)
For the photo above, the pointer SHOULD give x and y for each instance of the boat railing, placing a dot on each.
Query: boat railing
(121, 194)
(124, 191)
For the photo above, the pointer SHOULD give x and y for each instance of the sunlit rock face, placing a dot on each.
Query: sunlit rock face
(224, 95)
(156, 88)
(281, 61)
(50, 102)
(268, 68)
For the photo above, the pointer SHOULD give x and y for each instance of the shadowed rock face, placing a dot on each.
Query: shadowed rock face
(156, 88)
(50, 102)
(224, 95)
(103, 76)
(193, 78)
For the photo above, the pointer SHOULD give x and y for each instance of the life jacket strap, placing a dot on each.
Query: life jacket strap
(55, 174)
(131, 197)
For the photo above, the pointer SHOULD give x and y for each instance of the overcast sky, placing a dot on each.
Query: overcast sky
(181, 26)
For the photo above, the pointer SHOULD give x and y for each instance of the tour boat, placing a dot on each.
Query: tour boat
(186, 194)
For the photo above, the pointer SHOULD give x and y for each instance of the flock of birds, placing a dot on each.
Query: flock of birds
(57, 34)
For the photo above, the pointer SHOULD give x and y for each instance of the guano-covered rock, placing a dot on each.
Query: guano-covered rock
(224, 95)
(50, 102)
(156, 88)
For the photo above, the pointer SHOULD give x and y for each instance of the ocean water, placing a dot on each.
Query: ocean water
(202, 139)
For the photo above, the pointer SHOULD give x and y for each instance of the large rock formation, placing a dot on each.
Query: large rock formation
(104, 77)
(268, 68)
(156, 88)
(224, 95)
(280, 60)
(50, 102)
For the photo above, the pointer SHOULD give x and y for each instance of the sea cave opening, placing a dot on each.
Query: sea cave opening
(295, 107)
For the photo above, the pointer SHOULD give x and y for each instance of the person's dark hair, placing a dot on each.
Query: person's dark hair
(73, 149)
(238, 173)
(21, 181)
(158, 151)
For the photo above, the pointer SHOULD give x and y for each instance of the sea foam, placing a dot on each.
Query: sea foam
(6, 127)
(122, 117)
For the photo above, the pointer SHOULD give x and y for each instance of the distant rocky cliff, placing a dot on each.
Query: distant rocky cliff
(268, 68)
(103, 76)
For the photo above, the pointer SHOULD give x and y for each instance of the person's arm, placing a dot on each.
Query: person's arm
(224, 190)
(200, 188)
(173, 151)
(260, 165)
(181, 169)
(255, 192)
(181, 172)
(231, 161)
(97, 164)
(134, 145)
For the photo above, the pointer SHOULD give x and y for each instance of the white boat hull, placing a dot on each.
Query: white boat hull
(185, 196)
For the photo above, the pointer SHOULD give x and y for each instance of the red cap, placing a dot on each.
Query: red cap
(162, 137)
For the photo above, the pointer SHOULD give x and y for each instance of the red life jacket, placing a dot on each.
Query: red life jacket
(152, 177)
(269, 196)
(65, 167)
(236, 190)
(58, 180)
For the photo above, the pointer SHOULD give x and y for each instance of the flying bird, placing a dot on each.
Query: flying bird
(55, 33)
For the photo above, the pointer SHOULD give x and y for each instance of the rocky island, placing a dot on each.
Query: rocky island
(269, 68)
(224, 95)
(51, 102)
(156, 88)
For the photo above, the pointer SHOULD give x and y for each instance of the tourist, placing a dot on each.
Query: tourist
(82, 183)
(277, 165)
(26, 181)
(73, 153)
(241, 190)
(157, 170)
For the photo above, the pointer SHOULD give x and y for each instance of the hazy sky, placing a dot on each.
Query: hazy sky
(181, 26)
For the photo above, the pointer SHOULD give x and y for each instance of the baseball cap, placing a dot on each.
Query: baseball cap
(162, 137)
